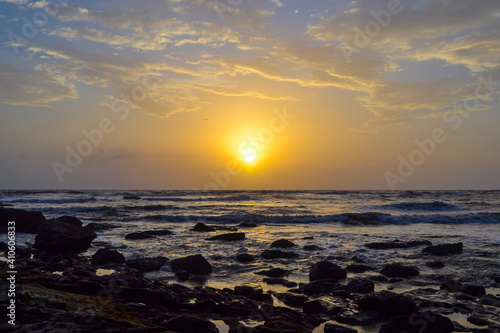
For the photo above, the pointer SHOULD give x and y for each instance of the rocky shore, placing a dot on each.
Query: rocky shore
(58, 289)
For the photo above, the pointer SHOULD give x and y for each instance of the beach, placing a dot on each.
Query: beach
(255, 261)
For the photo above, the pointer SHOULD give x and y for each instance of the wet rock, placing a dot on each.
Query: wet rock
(58, 236)
(396, 244)
(319, 287)
(237, 327)
(147, 264)
(189, 324)
(202, 227)
(100, 226)
(358, 268)
(4, 246)
(148, 234)
(356, 318)
(182, 275)
(474, 290)
(248, 225)
(277, 254)
(26, 221)
(332, 328)
(131, 197)
(280, 324)
(194, 264)
(106, 255)
(427, 322)
(313, 307)
(283, 243)
(469, 289)
(388, 302)
(274, 272)
(293, 300)
(435, 264)
(398, 270)
(250, 290)
(312, 248)
(444, 249)
(361, 286)
(274, 281)
(342, 291)
(378, 278)
(245, 257)
(478, 320)
(308, 237)
(326, 270)
(231, 237)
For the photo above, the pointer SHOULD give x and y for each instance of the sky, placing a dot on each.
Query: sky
(250, 94)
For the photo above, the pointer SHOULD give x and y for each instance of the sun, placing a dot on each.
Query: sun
(249, 155)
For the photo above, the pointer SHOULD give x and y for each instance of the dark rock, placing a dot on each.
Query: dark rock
(357, 259)
(248, 225)
(444, 249)
(182, 275)
(495, 278)
(435, 264)
(342, 291)
(332, 328)
(326, 270)
(148, 234)
(100, 226)
(475, 291)
(283, 243)
(308, 237)
(378, 278)
(106, 255)
(478, 320)
(131, 197)
(312, 248)
(427, 322)
(274, 272)
(194, 264)
(312, 307)
(147, 264)
(388, 302)
(293, 300)
(361, 286)
(455, 286)
(362, 318)
(276, 254)
(396, 245)
(274, 281)
(249, 290)
(279, 324)
(58, 236)
(26, 221)
(190, 324)
(202, 227)
(245, 257)
(4, 246)
(236, 236)
(236, 327)
(398, 270)
(358, 268)
(319, 287)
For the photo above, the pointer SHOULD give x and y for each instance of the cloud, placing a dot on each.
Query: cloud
(35, 87)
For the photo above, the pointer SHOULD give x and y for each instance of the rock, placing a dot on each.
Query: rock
(106, 255)
(389, 303)
(427, 322)
(274, 281)
(26, 221)
(147, 264)
(248, 225)
(276, 254)
(308, 237)
(236, 327)
(58, 236)
(444, 249)
(283, 243)
(182, 275)
(202, 227)
(398, 270)
(474, 290)
(236, 236)
(245, 257)
(312, 248)
(189, 324)
(319, 287)
(332, 328)
(358, 268)
(250, 290)
(279, 324)
(274, 272)
(313, 307)
(478, 320)
(4, 246)
(100, 226)
(396, 244)
(148, 234)
(293, 300)
(131, 197)
(326, 270)
(194, 264)
(361, 286)
(435, 264)
(455, 286)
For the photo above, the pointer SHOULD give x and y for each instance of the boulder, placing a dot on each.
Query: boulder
(427, 322)
(283, 243)
(106, 255)
(313, 307)
(26, 221)
(389, 303)
(231, 237)
(58, 236)
(248, 290)
(398, 270)
(435, 264)
(147, 264)
(148, 234)
(194, 264)
(189, 324)
(277, 254)
(358, 268)
(361, 286)
(326, 270)
(202, 227)
(332, 328)
(182, 275)
(444, 249)
(274, 272)
(245, 257)
(293, 300)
